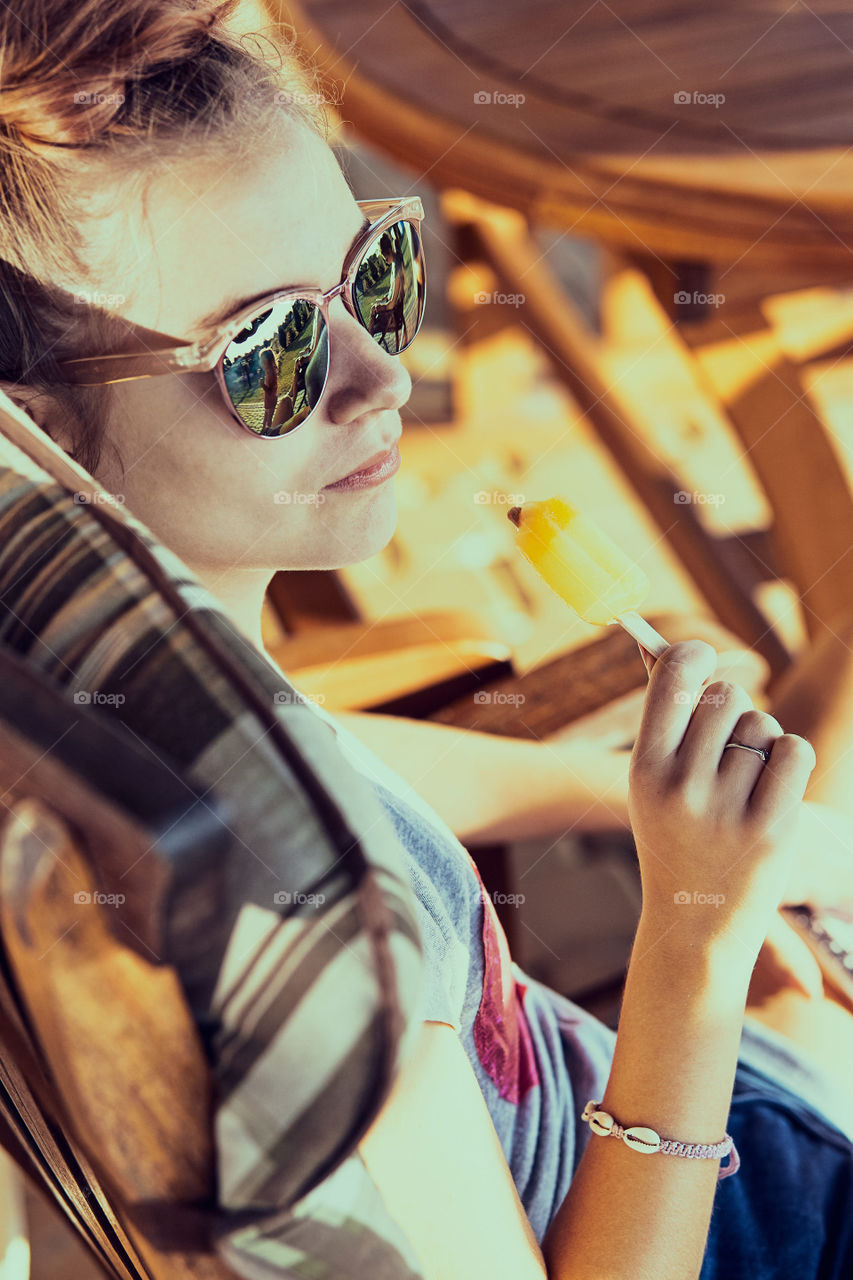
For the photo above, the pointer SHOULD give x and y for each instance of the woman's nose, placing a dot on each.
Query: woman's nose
(362, 374)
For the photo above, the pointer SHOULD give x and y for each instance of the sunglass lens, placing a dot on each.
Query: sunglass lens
(275, 369)
(389, 287)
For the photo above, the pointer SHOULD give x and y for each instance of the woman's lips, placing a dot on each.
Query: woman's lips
(375, 474)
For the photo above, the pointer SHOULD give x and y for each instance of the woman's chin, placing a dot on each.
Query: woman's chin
(342, 530)
(366, 529)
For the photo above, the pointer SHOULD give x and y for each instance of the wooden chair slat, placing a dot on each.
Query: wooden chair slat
(104, 1085)
(43, 1148)
(792, 453)
(726, 581)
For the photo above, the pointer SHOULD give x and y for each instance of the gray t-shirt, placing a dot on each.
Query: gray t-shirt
(537, 1056)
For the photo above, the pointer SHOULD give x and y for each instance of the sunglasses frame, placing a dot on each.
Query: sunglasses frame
(144, 360)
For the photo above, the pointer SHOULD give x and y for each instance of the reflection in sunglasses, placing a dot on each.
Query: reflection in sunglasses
(275, 368)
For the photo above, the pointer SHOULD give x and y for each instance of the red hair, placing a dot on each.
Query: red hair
(65, 68)
(127, 82)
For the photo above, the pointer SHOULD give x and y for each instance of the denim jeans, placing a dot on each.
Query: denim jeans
(787, 1214)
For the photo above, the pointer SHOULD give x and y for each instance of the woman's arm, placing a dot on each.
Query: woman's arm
(436, 1159)
(647, 1217)
(489, 788)
(707, 825)
(435, 1156)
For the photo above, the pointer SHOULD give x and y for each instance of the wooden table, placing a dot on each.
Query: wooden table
(681, 131)
(702, 145)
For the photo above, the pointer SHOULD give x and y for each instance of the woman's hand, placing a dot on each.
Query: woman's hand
(714, 829)
(616, 722)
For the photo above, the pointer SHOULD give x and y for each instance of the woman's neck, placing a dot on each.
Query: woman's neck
(241, 592)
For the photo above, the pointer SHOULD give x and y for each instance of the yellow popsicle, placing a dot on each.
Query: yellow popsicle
(584, 566)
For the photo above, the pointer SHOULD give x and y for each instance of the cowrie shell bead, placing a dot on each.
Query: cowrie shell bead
(641, 1139)
(601, 1123)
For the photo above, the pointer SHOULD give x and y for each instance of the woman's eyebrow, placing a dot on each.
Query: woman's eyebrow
(218, 317)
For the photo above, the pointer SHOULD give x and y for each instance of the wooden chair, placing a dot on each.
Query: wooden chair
(752, 384)
(785, 443)
(104, 1087)
(402, 666)
(579, 158)
(755, 391)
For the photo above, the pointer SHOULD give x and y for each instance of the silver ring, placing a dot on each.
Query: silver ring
(759, 751)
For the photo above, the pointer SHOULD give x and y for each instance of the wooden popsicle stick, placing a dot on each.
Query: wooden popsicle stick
(642, 632)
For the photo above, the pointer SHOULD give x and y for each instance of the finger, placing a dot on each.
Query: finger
(648, 658)
(742, 769)
(744, 667)
(779, 791)
(719, 708)
(674, 684)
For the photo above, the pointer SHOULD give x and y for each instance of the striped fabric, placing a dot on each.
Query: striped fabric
(299, 952)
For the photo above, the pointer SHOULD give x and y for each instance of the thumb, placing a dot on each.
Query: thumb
(649, 659)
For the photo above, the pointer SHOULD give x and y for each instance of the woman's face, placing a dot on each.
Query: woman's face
(221, 229)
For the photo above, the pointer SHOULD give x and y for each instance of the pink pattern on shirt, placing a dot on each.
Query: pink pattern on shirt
(501, 1032)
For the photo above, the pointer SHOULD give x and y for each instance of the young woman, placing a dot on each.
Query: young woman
(269, 370)
(387, 315)
(128, 132)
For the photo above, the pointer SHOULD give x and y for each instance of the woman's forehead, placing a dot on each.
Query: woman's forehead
(223, 227)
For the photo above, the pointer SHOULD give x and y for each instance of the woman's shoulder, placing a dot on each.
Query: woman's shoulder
(447, 888)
